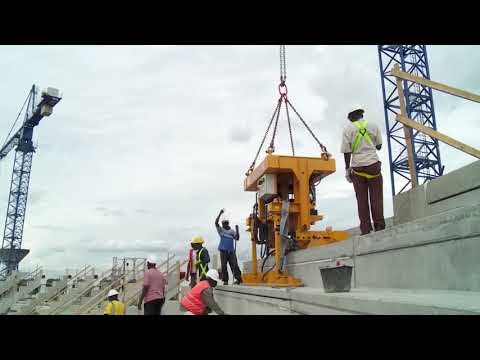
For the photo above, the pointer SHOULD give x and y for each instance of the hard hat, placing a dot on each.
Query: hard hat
(112, 292)
(213, 274)
(152, 259)
(355, 109)
(197, 240)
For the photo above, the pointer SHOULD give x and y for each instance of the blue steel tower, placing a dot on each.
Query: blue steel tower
(419, 102)
(11, 252)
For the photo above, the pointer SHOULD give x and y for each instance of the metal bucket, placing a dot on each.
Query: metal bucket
(337, 279)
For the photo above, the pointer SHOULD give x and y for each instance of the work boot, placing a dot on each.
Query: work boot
(225, 283)
(237, 282)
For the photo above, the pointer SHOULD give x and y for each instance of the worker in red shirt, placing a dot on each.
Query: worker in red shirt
(200, 300)
(153, 292)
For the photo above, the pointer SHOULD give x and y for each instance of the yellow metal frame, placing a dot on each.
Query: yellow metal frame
(294, 175)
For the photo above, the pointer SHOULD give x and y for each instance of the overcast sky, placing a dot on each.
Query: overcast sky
(149, 142)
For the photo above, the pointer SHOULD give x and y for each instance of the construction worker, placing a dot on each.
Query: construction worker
(199, 267)
(227, 249)
(114, 307)
(153, 291)
(200, 300)
(361, 141)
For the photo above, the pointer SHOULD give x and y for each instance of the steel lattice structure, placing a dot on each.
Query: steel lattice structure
(419, 101)
(17, 204)
(11, 252)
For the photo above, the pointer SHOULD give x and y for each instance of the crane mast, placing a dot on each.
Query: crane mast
(419, 105)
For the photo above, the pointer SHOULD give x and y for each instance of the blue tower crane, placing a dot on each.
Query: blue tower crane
(11, 252)
(419, 102)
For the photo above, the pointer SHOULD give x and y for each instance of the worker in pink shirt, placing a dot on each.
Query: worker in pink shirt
(153, 292)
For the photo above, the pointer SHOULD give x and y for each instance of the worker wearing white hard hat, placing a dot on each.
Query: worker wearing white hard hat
(152, 259)
(114, 306)
(153, 292)
(200, 300)
(227, 248)
(360, 142)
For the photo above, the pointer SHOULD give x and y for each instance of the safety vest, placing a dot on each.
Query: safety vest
(362, 133)
(193, 300)
(200, 265)
(117, 307)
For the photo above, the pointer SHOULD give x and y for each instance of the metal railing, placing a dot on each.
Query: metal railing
(33, 274)
(86, 289)
(64, 287)
(14, 278)
(87, 308)
(131, 300)
(25, 284)
(136, 293)
(115, 284)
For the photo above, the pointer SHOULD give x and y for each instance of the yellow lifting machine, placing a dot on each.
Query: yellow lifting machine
(284, 209)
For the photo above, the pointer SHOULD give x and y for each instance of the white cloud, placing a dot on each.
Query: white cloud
(149, 142)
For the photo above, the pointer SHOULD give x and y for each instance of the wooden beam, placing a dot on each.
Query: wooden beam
(439, 136)
(435, 85)
(406, 132)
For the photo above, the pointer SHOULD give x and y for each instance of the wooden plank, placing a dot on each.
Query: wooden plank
(406, 132)
(439, 136)
(435, 85)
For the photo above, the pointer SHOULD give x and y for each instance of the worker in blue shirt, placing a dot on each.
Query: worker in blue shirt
(227, 250)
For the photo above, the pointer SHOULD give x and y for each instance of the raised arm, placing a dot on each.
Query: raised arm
(218, 218)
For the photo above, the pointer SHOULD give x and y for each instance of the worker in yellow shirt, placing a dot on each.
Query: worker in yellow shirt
(114, 307)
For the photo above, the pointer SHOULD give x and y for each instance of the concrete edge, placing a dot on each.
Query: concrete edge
(345, 302)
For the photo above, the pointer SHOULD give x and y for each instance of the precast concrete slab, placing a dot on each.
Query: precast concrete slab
(460, 188)
(457, 182)
(434, 252)
(270, 301)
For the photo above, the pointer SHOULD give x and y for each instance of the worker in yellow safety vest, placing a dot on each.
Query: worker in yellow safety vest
(360, 143)
(114, 307)
(201, 261)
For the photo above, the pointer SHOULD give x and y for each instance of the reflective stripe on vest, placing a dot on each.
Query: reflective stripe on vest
(202, 267)
(365, 175)
(362, 132)
(113, 309)
(193, 300)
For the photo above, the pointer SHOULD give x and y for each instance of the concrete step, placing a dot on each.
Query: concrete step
(436, 252)
(246, 300)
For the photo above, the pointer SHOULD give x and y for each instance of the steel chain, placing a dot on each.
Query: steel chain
(264, 138)
(276, 115)
(289, 126)
(283, 65)
(322, 147)
(272, 142)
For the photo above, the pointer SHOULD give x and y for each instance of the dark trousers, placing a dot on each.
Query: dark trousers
(153, 307)
(230, 258)
(369, 194)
